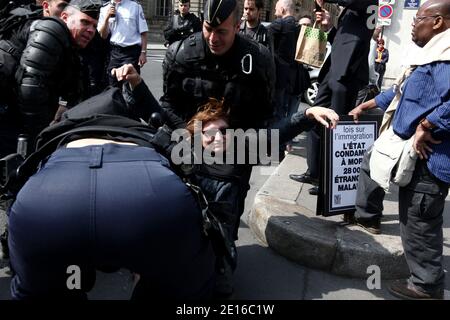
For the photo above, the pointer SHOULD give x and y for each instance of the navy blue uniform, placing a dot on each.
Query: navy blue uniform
(108, 205)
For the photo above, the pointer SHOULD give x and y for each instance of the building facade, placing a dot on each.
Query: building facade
(158, 12)
(397, 37)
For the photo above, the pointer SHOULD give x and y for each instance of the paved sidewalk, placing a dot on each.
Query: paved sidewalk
(155, 46)
(283, 217)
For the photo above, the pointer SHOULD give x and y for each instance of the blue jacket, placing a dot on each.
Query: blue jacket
(426, 94)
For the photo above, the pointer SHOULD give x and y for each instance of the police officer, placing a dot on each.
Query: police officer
(49, 66)
(124, 22)
(13, 43)
(182, 24)
(251, 25)
(219, 63)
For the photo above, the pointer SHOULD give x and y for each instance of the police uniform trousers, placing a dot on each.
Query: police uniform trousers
(123, 55)
(112, 206)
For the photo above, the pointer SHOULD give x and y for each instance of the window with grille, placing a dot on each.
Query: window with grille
(163, 8)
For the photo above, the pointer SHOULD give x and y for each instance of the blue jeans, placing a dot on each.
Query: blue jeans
(109, 206)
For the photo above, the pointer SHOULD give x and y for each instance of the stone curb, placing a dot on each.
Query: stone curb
(294, 231)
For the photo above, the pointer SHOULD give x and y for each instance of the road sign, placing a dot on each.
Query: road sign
(412, 4)
(382, 2)
(385, 11)
(384, 22)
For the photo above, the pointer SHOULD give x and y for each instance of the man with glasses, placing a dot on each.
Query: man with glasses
(422, 111)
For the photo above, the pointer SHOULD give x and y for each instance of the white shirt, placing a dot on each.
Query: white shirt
(127, 26)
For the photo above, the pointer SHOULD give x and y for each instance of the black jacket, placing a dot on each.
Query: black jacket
(179, 27)
(284, 32)
(244, 76)
(259, 34)
(350, 42)
(49, 69)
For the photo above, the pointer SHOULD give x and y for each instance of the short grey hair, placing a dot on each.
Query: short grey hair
(288, 5)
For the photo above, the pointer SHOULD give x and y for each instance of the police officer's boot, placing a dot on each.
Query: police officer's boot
(223, 288)
(4, 252)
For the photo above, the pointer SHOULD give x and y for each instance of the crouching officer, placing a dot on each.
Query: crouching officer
(182, 24)
(104, 197)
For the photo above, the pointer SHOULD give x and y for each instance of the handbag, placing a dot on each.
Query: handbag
(392, 160)
(311, 46)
